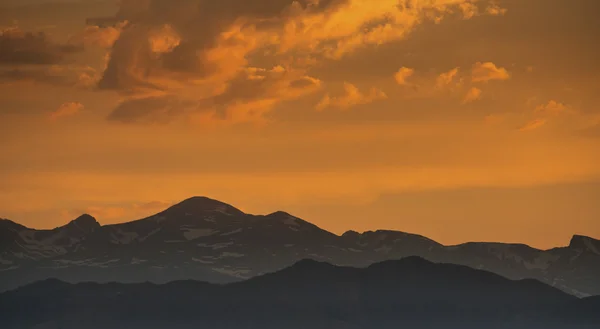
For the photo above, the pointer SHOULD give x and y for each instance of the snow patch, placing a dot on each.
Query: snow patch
(233, 232)
(46, 247)
(14, 267)
(216, 246)
(5, 261)
(105, 263)
(136, 261)
(150, 234)
(159, 219)
(223, 210)
(384, 249)
(195, 233)
(73, 262)
(202, 261)
(121, 237)
(291, 221)
(231, 255)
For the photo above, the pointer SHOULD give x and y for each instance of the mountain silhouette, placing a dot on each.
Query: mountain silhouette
(408, 293)
(208, 240)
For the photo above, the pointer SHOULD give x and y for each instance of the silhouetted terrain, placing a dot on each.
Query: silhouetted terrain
(409, 293)
(207, 240)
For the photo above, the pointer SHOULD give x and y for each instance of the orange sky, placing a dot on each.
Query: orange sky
(457, 119)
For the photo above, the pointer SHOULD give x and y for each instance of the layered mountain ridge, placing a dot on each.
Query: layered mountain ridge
(411, 292)
(208, 240)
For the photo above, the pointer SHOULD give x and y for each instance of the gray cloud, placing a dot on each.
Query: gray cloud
(19, 47)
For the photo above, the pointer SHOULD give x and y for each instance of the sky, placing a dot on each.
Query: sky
(461, 120)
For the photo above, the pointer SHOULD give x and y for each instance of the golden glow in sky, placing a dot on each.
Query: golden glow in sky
(456, 119)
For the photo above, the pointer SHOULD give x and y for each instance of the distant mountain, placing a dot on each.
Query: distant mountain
(205, 239)
(408, 293)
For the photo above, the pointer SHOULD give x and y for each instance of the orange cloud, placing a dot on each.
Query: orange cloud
(533, 124)
(163, 39)
(447, 78)
(484, 72)
(403, 74)
(472, 95)
(495, 10)
(103, 37)
(180, 51)
(545, 113)
(552, 108)
(66, 109)
(469, 10)
(352, 96)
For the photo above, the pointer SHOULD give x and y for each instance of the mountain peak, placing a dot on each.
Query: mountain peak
(585, 243)
(351, 233)
(199, 204)
(86, 223)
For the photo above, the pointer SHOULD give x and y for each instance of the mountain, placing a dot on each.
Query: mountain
(208, 240)
(408, 293)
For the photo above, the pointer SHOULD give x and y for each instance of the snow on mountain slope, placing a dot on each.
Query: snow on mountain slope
(208, 240)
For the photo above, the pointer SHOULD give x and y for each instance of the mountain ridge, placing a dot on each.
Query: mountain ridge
(412, 291)
(206, 239)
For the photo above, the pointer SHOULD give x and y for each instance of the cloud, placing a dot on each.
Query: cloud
(552, 108)
(18, 47)
(66, 110)
(196, 50)
(484, 72)
(402, 76)
(33, 58)
(469, 10)
(447, 78)
(545, 113)
(472, 95)
(103, 37)
(255, 92)
(246, 98)
(151, 109)
(495, 10)
(352, 96)
(58, 75)
(533, 125)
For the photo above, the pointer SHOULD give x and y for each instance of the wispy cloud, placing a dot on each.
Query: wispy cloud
(352, 96)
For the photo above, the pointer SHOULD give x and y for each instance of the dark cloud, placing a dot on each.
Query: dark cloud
(152, 110)
(68, 76)
(199, 24)
(131, 61)
(19, 47)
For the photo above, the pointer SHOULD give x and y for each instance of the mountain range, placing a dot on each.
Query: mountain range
(408, 293)
(208, 240)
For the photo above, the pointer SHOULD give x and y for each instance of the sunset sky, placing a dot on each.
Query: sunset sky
(460, 120)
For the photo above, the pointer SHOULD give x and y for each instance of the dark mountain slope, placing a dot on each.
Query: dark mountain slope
(410, 293)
